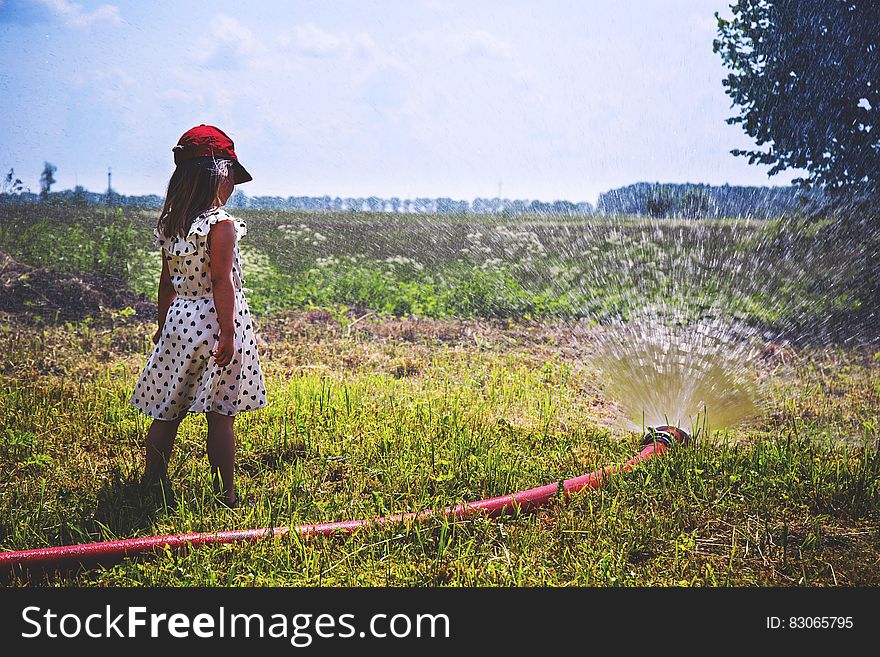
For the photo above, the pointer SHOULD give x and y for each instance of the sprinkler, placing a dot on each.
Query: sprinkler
(655, 443)
(666, 435)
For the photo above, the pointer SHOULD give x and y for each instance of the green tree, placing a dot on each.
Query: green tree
(695, 202)
(79, 196)
(47, 179)
(11, 184)
(806, 79)
(659, 202)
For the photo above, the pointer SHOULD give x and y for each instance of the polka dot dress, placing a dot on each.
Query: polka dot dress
(180, 375)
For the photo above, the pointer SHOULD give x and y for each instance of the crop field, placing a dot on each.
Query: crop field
(416, 362)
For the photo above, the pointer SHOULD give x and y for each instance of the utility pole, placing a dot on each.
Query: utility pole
(109, 187)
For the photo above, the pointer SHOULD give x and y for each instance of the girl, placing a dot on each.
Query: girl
(205, 359)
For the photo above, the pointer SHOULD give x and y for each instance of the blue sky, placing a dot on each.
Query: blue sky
(549, 100)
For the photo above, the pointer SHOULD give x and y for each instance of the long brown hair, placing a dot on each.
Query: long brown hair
(192, 190)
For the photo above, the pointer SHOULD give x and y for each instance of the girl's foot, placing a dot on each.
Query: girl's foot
(149, 480)
(157, 488)
(235, 502)
(230, 502)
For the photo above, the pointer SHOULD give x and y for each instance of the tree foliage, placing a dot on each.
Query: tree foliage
(47, 179)
(11, 184)
(806, 79)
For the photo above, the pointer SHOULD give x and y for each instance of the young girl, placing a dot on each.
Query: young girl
(205, 359)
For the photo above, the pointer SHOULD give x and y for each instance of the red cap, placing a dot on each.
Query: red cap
(208, 141)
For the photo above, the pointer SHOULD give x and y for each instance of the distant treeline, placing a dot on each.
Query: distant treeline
(692, 201)
(411, 206)
(80, 196)
(649, 199)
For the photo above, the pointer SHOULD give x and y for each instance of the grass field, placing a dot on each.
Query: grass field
(406, 408)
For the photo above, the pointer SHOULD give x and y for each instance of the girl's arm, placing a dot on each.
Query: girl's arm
(166, 296)
(221, 240)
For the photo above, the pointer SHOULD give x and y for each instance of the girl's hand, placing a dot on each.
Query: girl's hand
(223, 350)
(157, 335)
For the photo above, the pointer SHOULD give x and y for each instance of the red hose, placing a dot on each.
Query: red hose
(110, 552)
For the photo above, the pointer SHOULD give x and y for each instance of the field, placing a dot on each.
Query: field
(414, 363)
(792, 275)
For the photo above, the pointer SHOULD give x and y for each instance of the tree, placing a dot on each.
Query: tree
(47, 179)
(806, 79)
(658, 203)
(238, 200)
(695, 202)
(79, 197)
(11, 184)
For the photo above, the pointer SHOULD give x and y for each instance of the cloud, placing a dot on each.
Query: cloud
(288, 74)
(310, 39)
(73, 14)
(228, 44)
(230, 32)
(467, 44)
(231, 44)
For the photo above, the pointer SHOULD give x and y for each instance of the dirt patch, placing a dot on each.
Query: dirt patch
(32, 292)
(415, 329)
(554, 336)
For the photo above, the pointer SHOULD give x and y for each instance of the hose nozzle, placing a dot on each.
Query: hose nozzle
(668, 435)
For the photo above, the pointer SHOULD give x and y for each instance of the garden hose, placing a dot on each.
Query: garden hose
(655, 443)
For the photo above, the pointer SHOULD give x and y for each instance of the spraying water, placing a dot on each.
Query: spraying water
(686, 376)
(695, 305)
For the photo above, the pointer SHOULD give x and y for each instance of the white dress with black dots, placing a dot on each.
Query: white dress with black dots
(180, 375)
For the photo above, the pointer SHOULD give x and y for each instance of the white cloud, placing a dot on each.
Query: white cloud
(288, 74)
(468, 43)
(310, 39)
(231, 44)
(73, 14)
(229, 31)
(228, 43)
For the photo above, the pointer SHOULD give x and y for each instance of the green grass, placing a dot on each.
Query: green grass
(385, 417)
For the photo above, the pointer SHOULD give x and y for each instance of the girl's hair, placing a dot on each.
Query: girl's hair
(191, 191)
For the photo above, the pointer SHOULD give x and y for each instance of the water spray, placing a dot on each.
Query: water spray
(655, 443)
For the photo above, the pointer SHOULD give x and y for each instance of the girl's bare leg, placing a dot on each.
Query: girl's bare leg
(160, 442)
(221, 455)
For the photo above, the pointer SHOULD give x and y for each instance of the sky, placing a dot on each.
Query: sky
(542, 100)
